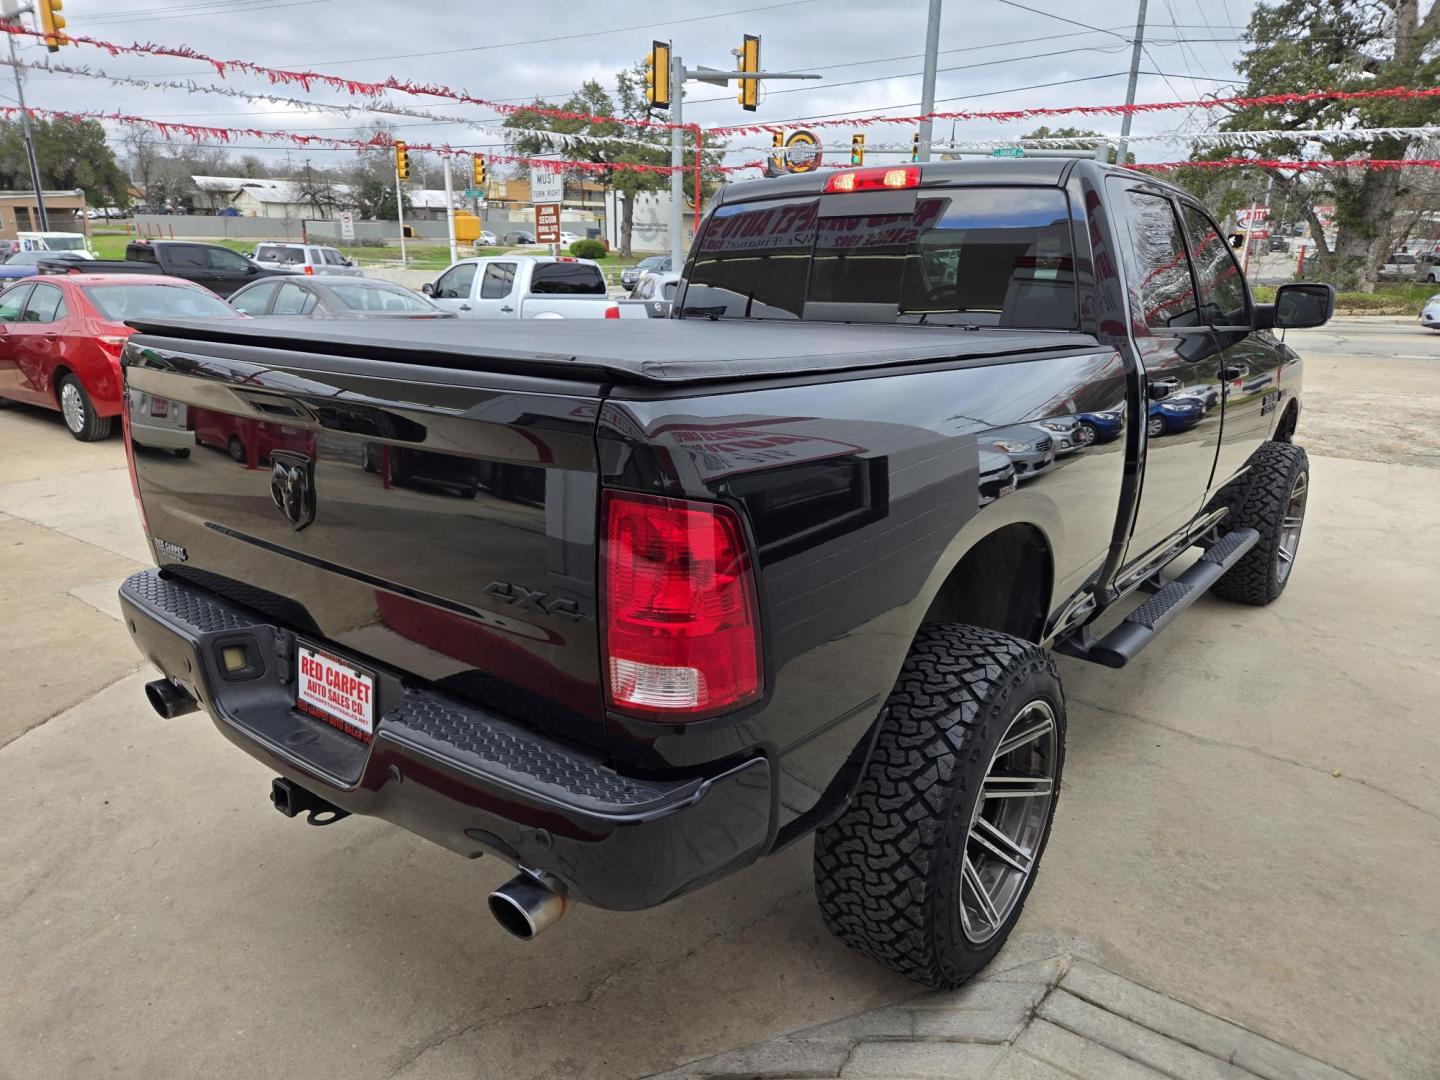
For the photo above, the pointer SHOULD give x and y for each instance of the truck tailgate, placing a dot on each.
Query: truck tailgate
(440, 523)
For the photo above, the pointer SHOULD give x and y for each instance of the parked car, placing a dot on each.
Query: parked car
(1430, 313)
(1428, 267)
(335, 298)
(656, 285)
(24, 264)
(567, 238)
(1103, 426)
(526, 287)
(520, 236)
(631, 274)
(219, 269)
(248, 440)
(1401, 264)
(1065, 431)
(306, 258)
(1277, 243)
(486, 239)
(1170, 416)
(1030, 448)
(730, 578)
(61, 337)
(1206, 394)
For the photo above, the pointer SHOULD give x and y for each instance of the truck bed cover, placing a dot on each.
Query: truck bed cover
(659, 352)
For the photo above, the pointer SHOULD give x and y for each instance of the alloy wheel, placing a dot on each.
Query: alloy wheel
(72, 407)
(1008, 822)
(1291, 525)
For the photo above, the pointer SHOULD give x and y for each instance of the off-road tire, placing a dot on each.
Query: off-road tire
(91, 428)
(887, 871)
(1260, 503)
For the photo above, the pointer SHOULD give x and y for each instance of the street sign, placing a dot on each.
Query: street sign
(474, 193)
(347, 225)
(547, 185)
(1008, 151)
(802, 152)
(547, 223)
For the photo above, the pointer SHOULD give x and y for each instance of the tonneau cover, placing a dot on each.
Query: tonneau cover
(653, 351)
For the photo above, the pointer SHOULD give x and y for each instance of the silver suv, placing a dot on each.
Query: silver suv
(306, 258)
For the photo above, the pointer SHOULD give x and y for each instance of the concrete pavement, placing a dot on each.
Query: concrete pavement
(1248, 829)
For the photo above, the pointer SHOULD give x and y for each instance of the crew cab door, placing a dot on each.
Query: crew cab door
(37, 342)
(227, 270)
(1251, 360)
(496, 294)
(452, 289)
(1176, 350)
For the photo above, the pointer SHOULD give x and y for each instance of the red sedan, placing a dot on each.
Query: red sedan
(61, 336)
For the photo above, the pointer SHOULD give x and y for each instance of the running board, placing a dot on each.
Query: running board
(1141, 626)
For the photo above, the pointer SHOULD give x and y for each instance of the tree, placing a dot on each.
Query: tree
(316, 189)
(371, 179)
(1303, 45)
(70, 153)
(1075, 133)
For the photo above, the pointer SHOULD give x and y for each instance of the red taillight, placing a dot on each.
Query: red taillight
(613, 311)
(130, 459)
(309, 269)
(112, 344)
(880, 178)
(681, 624)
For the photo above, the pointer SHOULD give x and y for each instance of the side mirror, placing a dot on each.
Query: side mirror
(252, 269)
(428, 289)
(1303, 304)
(1160, 389)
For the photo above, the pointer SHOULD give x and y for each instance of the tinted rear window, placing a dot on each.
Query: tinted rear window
(567, 279)
(988, 256)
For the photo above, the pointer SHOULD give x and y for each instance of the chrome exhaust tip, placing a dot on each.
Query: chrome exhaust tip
(168, 700)
(526, 905)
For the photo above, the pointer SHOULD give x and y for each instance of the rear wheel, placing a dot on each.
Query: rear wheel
(1155, 426)
(928, 867)
(1272, 502)
(79, 413)
(236, 449)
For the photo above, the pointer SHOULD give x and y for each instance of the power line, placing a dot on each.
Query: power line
(237, 7)
(1061, 18)
(561, 37)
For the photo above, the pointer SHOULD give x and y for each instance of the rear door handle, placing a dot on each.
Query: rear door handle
(464, 307)
(507, 308)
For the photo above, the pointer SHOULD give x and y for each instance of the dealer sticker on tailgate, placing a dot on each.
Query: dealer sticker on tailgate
(338, 693)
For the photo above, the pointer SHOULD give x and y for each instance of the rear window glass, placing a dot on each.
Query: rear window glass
(379, 298)
(986, 256)
(284, 254)
(568, 279)
(121, 302)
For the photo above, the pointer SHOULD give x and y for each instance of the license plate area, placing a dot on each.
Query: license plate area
(335, 691)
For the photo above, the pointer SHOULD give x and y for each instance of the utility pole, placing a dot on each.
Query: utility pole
(449, 209)
(12, 14)
(927, 89)
(1137, 45)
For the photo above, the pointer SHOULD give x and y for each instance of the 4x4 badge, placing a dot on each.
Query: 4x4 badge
(292, 486)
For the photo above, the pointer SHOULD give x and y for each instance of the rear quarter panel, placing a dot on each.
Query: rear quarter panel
(861, 495)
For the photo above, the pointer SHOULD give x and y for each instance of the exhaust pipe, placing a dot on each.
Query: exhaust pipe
(168, 700)
(526, 905)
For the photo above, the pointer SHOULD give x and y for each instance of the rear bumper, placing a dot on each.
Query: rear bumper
(467, 778)
(161, 438)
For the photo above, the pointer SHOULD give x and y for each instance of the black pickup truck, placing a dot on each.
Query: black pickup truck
(631, 605)
(219, 269)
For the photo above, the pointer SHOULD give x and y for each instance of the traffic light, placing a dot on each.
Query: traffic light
(657, 75)
(749, 96)
(402, 162)
(53, 23)
(857, 149)
(915, 147)
(478, 165)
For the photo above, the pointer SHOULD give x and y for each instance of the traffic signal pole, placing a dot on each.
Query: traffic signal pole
(400, 214)
(449, 209)
(41, 217)
(677, 159)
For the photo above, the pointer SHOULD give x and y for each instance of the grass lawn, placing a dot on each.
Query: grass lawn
(1389, 298)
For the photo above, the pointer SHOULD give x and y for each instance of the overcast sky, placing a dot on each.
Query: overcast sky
(867, 53)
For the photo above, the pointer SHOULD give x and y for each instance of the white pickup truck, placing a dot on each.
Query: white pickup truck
(526, 287)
